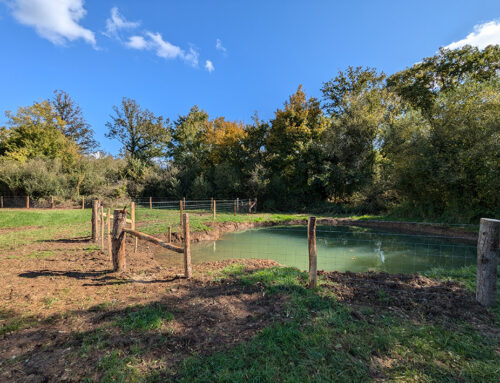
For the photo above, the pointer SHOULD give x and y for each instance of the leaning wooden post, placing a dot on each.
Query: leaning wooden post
(181, 211)
(187, 248)
(313, 259)
(51, 201)
(215, 211)
(132, 214)
(27, 202)
(234, 208)
(169, 235)
(119, 237)
(488, 251)
(102, 223)
(109, 234)
(95, 220)
(150, 202)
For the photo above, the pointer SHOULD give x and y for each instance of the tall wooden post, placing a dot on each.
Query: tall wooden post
(488, 252)
(313, 259)
(1, 202)
(83, 202)
(110, 252)
(169, 235)
(27, 202)
(95, 220)
(118, 241)
(52, 202)
(181, 211)
(132, 214)
(187, 248)
(102, 227)
(150, 202)
(234, 207)
(215, 211)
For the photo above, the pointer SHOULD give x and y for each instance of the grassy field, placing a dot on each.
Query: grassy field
(64, 316)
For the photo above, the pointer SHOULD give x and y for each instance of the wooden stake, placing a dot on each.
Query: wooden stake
(313, 260)
(52, 202)
(180, 208)
(150, 202)
(215, 211)
(187, 248)
(169, 235)
(132, 225)
(488, 252)
(102, 228)
(95, 220)
(27, 202)
(118, 240)
(109, 234)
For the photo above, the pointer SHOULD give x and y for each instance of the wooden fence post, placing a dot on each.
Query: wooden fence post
(27, 202)
(109, 235)
(187, 248)
(181, 211)
(118, 241)
(1, 202)
(234, 207)
(51, 201)
(150, 202)
(95, 220)
(83, 203)
(215, 211)
(169, 235)
(313, 259)
(488, 251)
(211, 203)
(102, 227)
(132, 216)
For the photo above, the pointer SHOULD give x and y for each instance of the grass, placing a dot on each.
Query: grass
(323, 342)
(147, 318)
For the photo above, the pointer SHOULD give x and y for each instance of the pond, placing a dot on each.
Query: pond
(339, 248)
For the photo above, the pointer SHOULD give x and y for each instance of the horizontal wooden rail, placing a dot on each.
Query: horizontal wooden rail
(154, 240)
(128, 219)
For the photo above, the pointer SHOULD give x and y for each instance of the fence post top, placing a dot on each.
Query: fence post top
(490, 221)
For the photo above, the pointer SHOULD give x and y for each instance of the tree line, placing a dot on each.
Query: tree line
(423, 142)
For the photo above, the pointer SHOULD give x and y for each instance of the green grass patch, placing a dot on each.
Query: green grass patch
(147, 318)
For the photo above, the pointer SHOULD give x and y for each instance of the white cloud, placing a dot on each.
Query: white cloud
(219, 46)
(483, 35)
(165, 49)
(209, 65)
(54, 20)
(117, 21)
(137, 42)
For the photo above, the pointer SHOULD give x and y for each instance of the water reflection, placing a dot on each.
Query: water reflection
(339, 248)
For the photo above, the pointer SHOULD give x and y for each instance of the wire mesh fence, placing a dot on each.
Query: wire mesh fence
(223, 205)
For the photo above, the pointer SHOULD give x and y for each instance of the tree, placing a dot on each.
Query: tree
(75, 127)
(422, 83)
(292, 148)
(357, 104)
(36, 131)
(143, 135)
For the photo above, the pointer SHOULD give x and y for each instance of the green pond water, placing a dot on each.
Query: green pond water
(339, 248)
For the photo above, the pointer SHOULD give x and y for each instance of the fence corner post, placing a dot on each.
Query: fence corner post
(118, 240)
(488, 251)
(187, 248)
(313, 259)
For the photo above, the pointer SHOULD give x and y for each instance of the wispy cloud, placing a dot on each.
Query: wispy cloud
(209, 65)
(219, 46)
(482, 36)
(54, 20)
(117, 22)
(162, 48)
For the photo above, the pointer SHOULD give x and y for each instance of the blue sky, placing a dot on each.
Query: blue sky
(156, 51)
